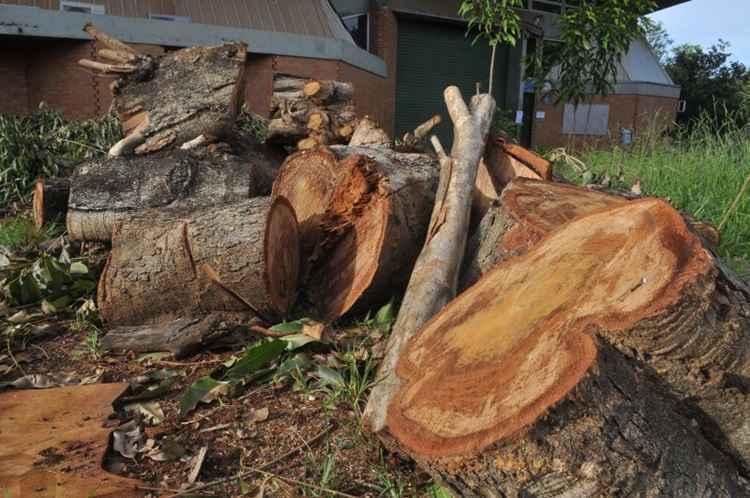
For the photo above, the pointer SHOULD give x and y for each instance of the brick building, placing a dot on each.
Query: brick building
(399, 54)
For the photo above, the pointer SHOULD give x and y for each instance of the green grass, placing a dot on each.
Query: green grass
(20, 234)
(700, 172)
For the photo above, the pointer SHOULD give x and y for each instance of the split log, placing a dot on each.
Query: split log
(174, 99)
(617, 349)
(502, 163)
(308, 113)
(50, 202)
(107, 191)
(167, 264)
(433, 282)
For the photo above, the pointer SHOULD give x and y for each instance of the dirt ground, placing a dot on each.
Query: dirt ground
(315, 445)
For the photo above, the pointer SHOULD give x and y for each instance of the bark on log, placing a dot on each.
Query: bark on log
(107, 191)
(167, 264)
(175, 98)
(181, 337)
(433, 282)
(50, 202)
(601, 342)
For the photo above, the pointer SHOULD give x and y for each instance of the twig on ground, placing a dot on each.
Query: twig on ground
(260, 470)
(266, 332)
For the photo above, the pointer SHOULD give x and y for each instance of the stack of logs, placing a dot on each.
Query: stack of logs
(598, 346)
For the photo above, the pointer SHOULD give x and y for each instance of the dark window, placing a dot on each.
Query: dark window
(168, 17)
(81, 7)
(358, 27)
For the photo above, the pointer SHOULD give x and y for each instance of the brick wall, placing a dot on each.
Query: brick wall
(384, 44)
(14, 97)
(638, 113)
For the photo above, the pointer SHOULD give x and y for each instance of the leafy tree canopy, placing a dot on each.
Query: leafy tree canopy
(710, 82)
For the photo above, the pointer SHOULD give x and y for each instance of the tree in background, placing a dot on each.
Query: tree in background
(594, 37)
(711, 83)
(657, 38)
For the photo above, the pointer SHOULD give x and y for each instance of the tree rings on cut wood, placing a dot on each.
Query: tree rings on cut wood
(566, 413)
(307, 179)
(241, 259)
(50, 201)
(374, 228)
(527, 211)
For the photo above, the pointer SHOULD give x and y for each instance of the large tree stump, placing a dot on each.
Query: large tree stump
(165, 264)
(107, 191)
(50, 203)
(616, 349)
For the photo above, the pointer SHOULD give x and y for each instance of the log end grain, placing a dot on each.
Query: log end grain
(281, 248)
(529, 326)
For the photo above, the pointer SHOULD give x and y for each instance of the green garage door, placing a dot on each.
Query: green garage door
(432, 56)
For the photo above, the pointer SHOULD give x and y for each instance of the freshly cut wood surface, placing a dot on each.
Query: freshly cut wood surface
(50, 202)
(165, 264)
(374, 228)
(561, 397)
(307, 180)
(527, 211)
(107, 191)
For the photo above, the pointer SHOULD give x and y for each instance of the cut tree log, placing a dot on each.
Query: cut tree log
(107, 191)
(175, 98)
(50, 203)
(434, 278)
(307, 180)
(526, 212)
(358, 241)
(500, 165)
(307, 113)
(168, 263)
(616, 348)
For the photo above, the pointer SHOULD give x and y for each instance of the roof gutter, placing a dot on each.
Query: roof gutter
(35, 22)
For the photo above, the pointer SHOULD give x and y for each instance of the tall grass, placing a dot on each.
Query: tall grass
(700, 170)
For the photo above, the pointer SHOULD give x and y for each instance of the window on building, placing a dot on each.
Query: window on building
(585, 119)
(169, 17)
(359, 27)
(81, 7)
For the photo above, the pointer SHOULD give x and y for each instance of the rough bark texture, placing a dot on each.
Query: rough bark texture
(167, 264)
(373, 229)
(307, 113)
(107, 191)
(182, 337)
(50, 202)
(433, 282)
(190, 92)
(600, 341)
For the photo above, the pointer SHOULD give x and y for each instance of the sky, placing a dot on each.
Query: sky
(703, 22)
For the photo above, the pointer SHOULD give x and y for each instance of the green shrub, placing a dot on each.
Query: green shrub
(43, 143)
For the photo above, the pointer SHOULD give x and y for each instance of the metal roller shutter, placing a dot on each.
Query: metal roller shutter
(432, 56)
